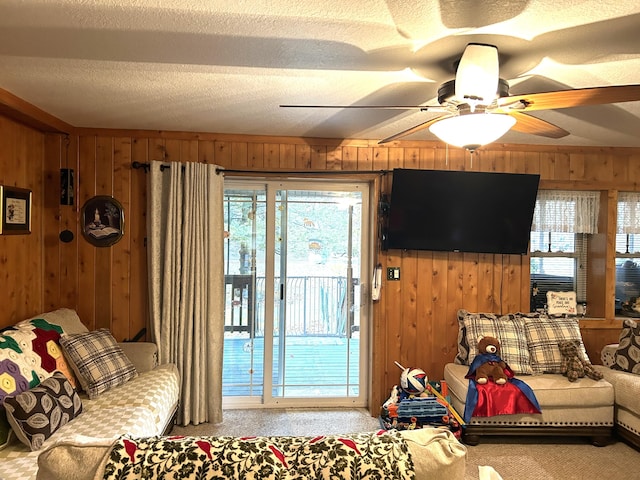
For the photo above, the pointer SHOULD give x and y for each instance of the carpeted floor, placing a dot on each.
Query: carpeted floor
(517, 458)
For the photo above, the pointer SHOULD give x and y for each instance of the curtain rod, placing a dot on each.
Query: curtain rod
(147, 166)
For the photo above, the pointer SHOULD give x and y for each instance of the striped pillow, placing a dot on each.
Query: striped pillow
(462, 357)
(543, 336)
(509, 330)
(97, 360)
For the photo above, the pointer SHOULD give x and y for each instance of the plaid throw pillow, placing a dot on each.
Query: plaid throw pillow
(509, 330)
(462, 358)
(627, 356)
(98, 361)
(543, 336)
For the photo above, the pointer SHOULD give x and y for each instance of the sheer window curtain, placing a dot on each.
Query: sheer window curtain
(566, 211)
(628, 213)
(185, 253)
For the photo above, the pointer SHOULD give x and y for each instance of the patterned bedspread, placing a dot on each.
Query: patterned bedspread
(377, 455)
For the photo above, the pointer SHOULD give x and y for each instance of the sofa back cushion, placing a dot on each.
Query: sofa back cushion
(97, 360)
(544, 334)
(509, 330)
(38, 413)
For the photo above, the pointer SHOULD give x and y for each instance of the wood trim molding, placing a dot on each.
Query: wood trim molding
(23, 112)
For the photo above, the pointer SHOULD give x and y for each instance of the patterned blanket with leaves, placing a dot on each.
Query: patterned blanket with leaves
(374, 456)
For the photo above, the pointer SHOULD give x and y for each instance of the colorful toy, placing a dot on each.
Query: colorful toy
(489, 364)
(413, 380)
(572, 366)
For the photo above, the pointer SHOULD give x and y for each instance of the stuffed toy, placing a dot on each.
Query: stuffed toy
(492, 366)
(572, 366)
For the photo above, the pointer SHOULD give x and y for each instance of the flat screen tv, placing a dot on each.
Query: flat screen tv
(461, 211)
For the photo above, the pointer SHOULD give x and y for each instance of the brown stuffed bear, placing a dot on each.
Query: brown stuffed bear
(492, 365)
(572, 366)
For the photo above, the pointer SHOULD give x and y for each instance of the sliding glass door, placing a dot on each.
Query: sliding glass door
(295, 261)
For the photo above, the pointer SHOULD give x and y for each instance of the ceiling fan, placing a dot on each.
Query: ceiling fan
(476, 109)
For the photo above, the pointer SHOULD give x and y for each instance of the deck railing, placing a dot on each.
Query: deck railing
(313, 306)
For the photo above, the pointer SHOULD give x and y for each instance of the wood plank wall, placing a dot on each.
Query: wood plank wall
(414, 322)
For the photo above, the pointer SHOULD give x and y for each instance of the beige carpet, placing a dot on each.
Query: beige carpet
(517, 458)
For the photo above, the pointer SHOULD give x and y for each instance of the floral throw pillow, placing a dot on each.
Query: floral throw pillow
(627, 356)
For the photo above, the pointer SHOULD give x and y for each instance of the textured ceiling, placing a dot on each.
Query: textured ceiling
(226, 66)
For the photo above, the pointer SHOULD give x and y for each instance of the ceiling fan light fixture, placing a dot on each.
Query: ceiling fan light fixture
(477, 75)
(472, 130)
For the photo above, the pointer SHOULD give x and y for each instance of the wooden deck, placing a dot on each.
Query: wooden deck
(314, 366)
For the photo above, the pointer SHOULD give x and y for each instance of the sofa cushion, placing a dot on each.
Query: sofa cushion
(38, 413)
(462, 357)
(97, 360)
(543, 335)
(627, 356)
(509, 330)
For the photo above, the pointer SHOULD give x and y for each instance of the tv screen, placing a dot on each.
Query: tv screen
(461, 211)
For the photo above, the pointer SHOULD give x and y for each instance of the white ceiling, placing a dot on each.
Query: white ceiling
(225, 66)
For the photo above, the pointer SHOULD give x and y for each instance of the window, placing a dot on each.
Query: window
(628, 254)
(561, 222)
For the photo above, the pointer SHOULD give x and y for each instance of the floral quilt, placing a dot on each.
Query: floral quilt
(372, 456)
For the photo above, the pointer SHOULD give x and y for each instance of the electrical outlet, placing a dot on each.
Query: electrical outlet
(393, 273)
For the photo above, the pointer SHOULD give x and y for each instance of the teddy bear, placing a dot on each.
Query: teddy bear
(572, 366)
(490, 363)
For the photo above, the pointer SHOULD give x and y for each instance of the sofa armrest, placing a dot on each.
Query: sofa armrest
(143, 355)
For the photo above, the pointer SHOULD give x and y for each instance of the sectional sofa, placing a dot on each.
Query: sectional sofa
(124, 391)
(530, 347)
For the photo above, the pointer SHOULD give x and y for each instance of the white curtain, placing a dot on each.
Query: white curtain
(186, 281)
(566, 211)
(628, 212)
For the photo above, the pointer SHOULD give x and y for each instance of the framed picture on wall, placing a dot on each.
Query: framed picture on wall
(102, 221)
(15, 205)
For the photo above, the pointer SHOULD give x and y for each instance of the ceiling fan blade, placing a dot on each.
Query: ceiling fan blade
(411, 130)
(535, 126)
(578, 97)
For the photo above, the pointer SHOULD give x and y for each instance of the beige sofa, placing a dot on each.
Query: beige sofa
(144, 405)
(529, 345)
(627, 394)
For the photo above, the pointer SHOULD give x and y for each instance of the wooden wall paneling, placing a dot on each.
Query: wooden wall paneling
(621, 167)
(121, 251)
(239, 155)
(189, 151)
(525, 282)
(547, 165)
(256, 156)
(425, 322)
(441, 310)
(50, 212)
(287, 157)
(411, 158)
(173, 150)
(365, 159)
(223, 154)
(318, 157)
(206, 152)
(595, 339)
(157, 149)
(271, 156)
(598, 167)
(85, 189)
(136, 228)
(68, 221)
(104, 255)
(454, 299)
(458, 159)
(349, 158)
(597, 257)
(380, 161)
(408, 315)
(470, 276)
(485, 301)
(303, 157)
(427, 158)
(392, 341)
(334, 158)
